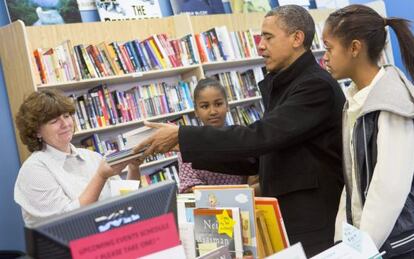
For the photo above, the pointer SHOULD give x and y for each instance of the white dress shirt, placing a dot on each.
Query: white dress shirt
(51, 181)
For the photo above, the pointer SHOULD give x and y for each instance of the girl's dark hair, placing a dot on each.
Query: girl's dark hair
(208, 82)
(359, 22)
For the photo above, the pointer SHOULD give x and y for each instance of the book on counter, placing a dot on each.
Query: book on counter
(216, 227)
(240, 196)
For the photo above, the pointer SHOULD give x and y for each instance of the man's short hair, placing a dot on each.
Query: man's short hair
(295, 17)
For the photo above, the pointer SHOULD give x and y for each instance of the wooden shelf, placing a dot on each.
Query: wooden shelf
(243, 101)
(119, 79)
(130, 123)
(233, 63)
(157, 162)
(154, 118)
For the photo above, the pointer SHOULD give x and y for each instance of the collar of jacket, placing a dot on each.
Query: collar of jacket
(393, 93)
(285, 77)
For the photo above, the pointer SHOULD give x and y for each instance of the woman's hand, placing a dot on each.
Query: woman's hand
(133, 169)
(105, 170)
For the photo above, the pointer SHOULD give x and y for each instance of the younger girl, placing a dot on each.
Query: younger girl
(378, 129)
(210, 102)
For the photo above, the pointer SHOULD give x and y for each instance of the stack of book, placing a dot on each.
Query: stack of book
(168, 172)
(240, 85)
(244, 115)
(230, 215)
(218, 44)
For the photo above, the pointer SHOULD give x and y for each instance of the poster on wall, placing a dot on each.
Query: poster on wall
(86, 5)
(43, 12)
(197, 7)
(333, 4)
(248, 6)
(115, 10)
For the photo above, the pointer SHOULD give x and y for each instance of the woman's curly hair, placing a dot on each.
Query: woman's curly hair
(37, 109)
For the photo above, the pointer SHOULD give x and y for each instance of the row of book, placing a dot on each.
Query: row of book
(230, 215)
(66, 62)
(244, 115)
(218, 44)
(70, 63)
(168, 172)
(101, 107)
(240, 85)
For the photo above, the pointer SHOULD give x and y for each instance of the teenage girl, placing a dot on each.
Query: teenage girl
(378, 129)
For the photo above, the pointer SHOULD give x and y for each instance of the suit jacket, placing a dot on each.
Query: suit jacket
(295, 148)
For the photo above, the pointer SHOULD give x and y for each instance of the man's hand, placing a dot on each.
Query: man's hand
(162, 141)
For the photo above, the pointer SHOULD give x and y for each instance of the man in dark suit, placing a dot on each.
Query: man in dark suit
(295, 147)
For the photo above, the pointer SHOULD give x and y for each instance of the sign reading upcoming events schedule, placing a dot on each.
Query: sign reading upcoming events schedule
(130, 241)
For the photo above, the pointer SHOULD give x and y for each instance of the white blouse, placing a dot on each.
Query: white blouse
(51, 181)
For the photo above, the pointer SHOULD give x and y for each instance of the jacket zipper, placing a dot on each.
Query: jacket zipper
(366, 157)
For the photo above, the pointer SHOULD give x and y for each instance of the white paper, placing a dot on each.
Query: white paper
(187, 239)
(356, 244)
(293, 252)
(176, 252)
(117, 185)
(339, 251)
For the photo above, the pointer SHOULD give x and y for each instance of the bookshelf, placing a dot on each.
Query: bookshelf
(156, 118)
(121, 79)
(21, 75)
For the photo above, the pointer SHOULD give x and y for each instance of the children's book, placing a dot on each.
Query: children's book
(216, 227)
(43, 12)
(241, 196)
(273, 221)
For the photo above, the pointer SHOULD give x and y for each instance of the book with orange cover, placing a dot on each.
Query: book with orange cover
(274, 222)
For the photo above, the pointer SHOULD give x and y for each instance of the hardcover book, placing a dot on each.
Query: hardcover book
(274, 221)
(218, 227)
(241, 196)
